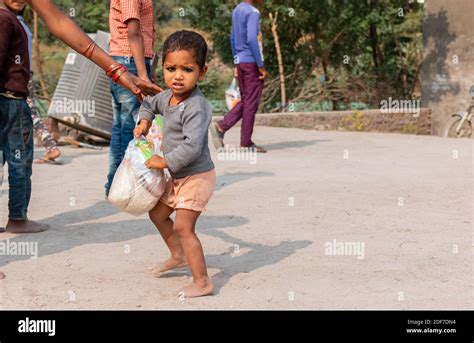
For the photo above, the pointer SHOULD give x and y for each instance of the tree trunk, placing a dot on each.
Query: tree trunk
(403, 64)
(39, 65)
(374, 41)
(281, 68)
(374, 44)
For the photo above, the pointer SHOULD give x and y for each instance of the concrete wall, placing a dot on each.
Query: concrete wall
(369, 121)
(448, 67)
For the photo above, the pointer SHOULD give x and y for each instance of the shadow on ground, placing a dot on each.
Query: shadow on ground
(77, 227)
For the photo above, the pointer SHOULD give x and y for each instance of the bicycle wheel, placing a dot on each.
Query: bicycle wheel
(452, 125)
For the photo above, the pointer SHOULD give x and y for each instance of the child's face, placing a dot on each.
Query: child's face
(15, 5)
(181, 72)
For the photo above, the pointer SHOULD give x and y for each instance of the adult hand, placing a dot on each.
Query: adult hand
(264, 73)
(138, 86)
(236, 73)
(145, 78)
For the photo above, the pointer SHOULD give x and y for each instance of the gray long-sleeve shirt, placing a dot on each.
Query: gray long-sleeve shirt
(185, 142)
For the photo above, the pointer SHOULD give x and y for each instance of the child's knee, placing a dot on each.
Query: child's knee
(158, 217)
(182, 231)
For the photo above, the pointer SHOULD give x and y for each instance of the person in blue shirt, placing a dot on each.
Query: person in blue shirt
(246, 44)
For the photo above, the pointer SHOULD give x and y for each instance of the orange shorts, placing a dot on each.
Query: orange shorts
(191, 192)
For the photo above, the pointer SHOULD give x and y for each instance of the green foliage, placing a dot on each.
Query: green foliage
(372, 43)
(90, 15)
(335, 52)
(409, 128)
(215, 84)
(357, 121)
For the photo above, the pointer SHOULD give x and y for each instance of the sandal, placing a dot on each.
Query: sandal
(254, 147)
(217, 136)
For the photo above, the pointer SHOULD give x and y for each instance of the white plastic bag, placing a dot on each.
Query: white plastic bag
(136, 189)
(232, 95)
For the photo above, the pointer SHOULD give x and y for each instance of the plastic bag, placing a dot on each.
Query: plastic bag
(155, 134)
(136, 189)
(232, 95)
(140, 151)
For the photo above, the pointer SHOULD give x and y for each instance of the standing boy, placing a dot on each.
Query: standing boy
(16, 126)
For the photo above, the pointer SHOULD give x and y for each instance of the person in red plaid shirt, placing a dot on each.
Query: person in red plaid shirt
(131, 44)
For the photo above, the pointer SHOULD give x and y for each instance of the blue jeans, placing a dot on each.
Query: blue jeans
(125, 107)
(16, 149)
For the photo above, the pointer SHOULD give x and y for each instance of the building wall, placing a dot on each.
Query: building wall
(448, 66)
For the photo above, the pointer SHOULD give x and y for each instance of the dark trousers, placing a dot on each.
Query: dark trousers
(251, 88)
(16, 149)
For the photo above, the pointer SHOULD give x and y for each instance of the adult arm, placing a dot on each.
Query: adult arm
(130, 16)
(253, 30)
(66, 30)
(252, 37)
(234, 51)
(135, 40)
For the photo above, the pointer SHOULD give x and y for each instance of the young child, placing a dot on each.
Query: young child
(187, 116)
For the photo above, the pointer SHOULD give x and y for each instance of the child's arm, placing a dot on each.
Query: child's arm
(131, 17)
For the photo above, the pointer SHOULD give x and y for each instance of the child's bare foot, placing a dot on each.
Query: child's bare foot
(171, 263)
(197, 290)
(52, 155)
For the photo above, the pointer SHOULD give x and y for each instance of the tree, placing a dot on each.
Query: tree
(333, 50)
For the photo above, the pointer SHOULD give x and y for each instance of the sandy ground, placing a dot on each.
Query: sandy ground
(267, 231)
